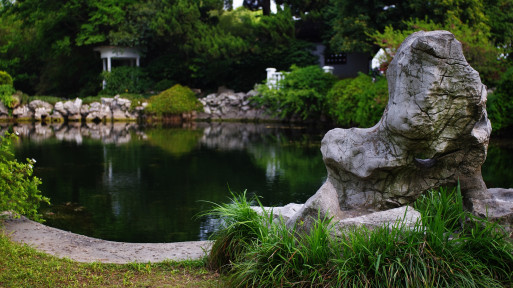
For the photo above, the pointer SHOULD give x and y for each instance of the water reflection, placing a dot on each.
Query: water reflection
(497, 170)
(125, 182)
(112, 133)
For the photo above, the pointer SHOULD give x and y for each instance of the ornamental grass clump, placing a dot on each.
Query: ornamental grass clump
(448, 247)
(240, 226)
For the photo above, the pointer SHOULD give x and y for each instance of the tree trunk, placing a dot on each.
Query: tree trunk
(266, 7)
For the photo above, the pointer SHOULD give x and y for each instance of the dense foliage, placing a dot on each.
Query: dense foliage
(448, 247)
(48, 47)
(311, 94)
(484, 28)
(125, 80)
(500, 102)
(18, 187)
(358, 102)
(6, 89)
(301, 93)
(175, 100)
(5, 78)
(479, 51)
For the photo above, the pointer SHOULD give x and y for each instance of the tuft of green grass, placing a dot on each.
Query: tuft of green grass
(240, 225)
(448, 247)
(22, 266)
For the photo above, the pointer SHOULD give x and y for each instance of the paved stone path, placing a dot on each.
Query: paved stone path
(81, 248)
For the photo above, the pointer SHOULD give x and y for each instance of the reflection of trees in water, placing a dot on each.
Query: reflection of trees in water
(498, 169)
(174, 141)
(141, 191)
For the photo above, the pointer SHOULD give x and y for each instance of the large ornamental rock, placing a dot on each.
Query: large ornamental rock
(4, 112)
(69, 109)
(121, 109)
(22, 112)
(42, 110)
(228, 105)
(498, 207)
(434, 132)
(98, 112)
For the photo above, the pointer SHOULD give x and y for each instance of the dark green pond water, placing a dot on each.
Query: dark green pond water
(126, 183)
(122, 182)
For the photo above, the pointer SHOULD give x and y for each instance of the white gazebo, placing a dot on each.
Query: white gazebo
(126, 56)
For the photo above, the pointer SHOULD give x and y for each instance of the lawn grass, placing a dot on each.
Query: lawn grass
(23, 266)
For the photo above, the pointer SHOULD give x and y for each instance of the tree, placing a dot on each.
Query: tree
(500, 102)
(40, 51)
(500, 19)
(477, 48)
(354, 21)
(257, 4)
(48, 46)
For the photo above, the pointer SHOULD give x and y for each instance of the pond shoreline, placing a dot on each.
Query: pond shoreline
(81, 248)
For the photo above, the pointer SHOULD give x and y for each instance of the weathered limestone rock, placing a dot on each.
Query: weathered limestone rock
(22, 112)
(497, 207)
(59, 108)
(42, 110)
(228, 105)
(121, 109)
(98, 112)
(69, 109)
(434, 132)
(4, 112)
(74, 111)
(405, 216)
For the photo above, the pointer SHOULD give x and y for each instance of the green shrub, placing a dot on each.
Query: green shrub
(5, 78)
(500, 102)
(18, 188)
(6, 92)
(448, 247)
(302, 93)
(125, 79)
(175, 100)
(359, 101)
(164, 84)
(6, 89)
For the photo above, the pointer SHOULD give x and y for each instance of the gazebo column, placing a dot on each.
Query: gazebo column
(125, 54)
(109, 64)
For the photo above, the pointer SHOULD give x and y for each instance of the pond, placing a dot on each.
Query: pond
(124, 182)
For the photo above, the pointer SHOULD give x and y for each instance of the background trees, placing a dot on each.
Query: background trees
(48, 46)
